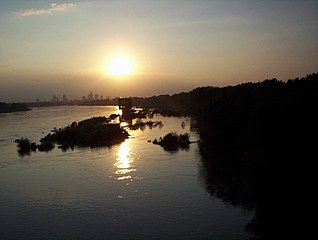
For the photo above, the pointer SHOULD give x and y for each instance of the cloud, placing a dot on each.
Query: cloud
(54, 7)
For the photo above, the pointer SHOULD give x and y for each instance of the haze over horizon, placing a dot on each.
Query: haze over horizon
(63, 47)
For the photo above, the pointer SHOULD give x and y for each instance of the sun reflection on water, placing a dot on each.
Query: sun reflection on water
(123, 165)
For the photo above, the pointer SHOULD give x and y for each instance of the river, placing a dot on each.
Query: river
(133, 190)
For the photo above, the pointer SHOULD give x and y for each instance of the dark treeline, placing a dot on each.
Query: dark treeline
(206, 101)
(13, 107)
(257, 147)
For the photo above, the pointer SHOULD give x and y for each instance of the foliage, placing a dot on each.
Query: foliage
(96, 131)
(173, 141)
(256, 146)
(139, 124)
(13, 107)
(25, 146)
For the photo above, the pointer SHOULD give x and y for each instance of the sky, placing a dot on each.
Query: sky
(63, 47)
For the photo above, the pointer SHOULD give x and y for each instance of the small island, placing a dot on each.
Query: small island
(13, 107)
(93, 132)
(173, 141)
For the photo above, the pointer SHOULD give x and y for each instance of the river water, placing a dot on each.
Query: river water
(133, 190)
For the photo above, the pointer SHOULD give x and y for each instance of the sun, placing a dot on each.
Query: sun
(119, 66)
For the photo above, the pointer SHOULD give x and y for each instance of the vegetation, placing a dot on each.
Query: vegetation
(25, 147)
(173, 141)
(255, 142)
(256, 146)
(207, 101)
(93, 132)
(139, 124)
(13, 107)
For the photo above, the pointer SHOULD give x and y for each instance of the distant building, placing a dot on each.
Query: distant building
(101, 97)
(65, 98)
(54, 98)
(96, 96)
(90, 96)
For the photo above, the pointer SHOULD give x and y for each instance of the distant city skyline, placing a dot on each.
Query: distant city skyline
(91, 96)
(148, 47)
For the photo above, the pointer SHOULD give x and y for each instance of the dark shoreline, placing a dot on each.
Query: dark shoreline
(256, 147)
(13, 107)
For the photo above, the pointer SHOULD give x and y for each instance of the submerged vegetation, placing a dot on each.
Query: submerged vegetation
(173, 141)
(93, 132)
(25, 147)
(139, 124)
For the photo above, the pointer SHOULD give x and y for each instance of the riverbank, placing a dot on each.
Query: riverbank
(13, 107)
(256, 145)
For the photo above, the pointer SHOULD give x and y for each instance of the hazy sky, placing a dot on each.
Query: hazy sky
(62, 47)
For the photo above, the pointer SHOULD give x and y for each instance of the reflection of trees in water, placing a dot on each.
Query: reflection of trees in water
(257, 150)
(259, 173)
(255, 144)
(175, 148)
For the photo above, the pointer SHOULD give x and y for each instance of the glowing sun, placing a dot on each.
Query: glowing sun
(119, 66)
